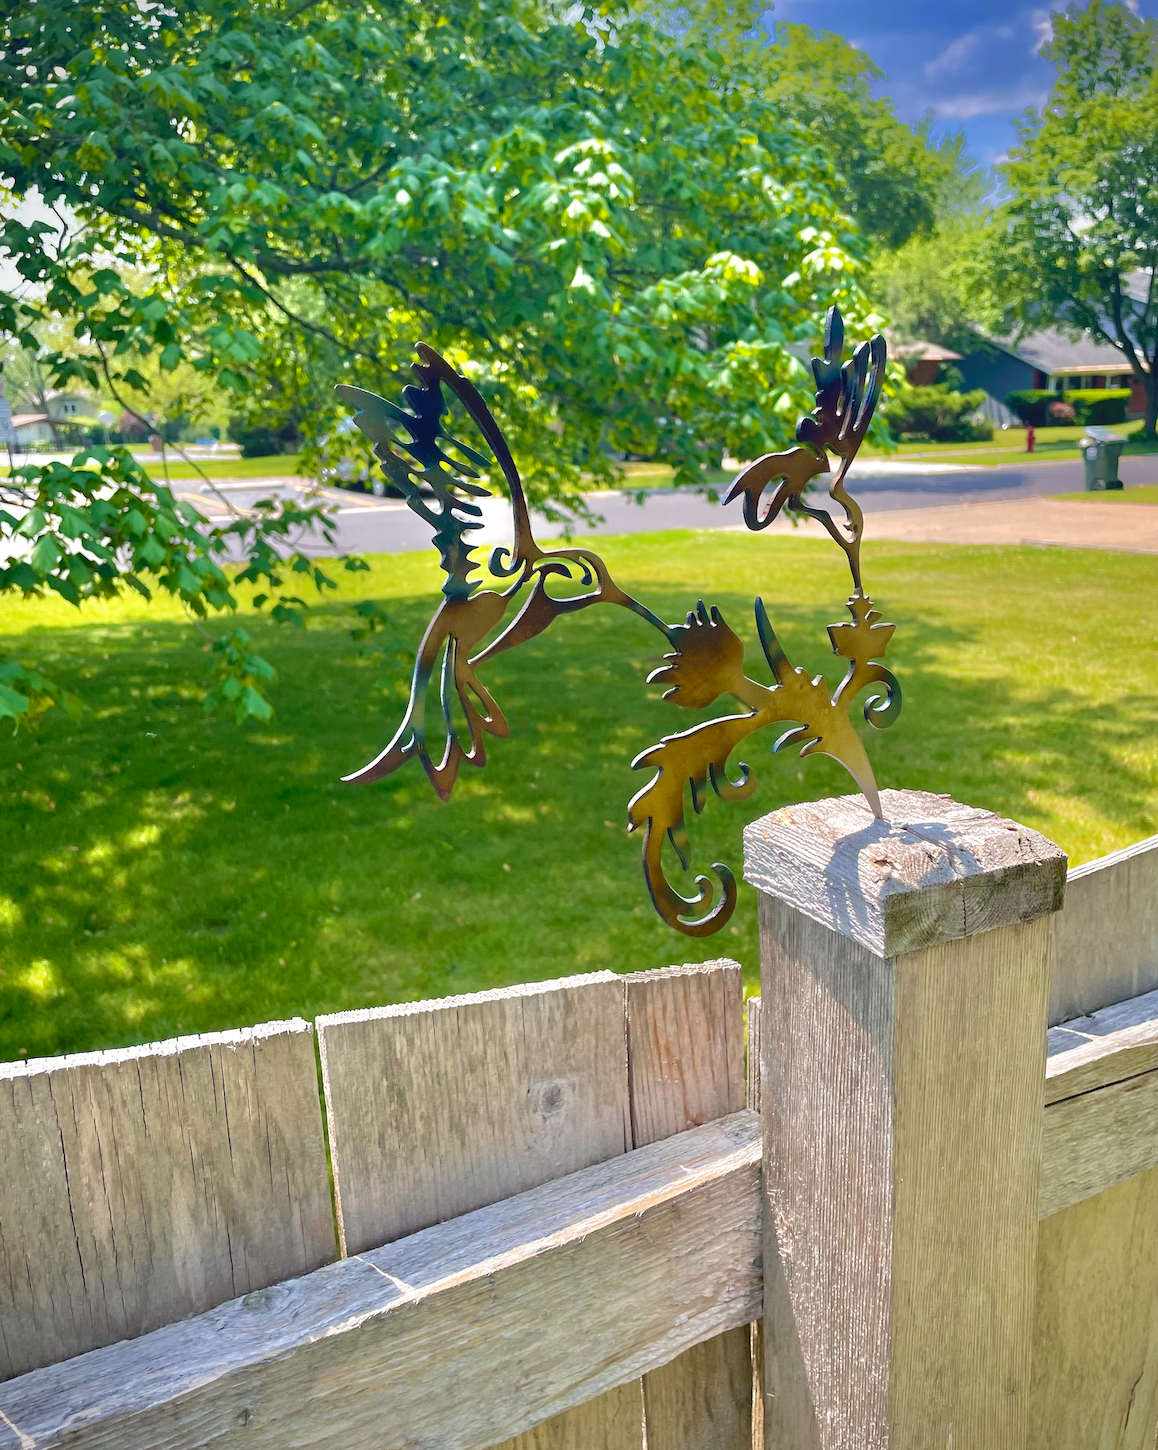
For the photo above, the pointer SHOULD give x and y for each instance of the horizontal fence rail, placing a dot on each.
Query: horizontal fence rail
(457, 1336)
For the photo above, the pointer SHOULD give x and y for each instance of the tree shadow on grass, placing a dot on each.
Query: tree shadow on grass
(165, 873)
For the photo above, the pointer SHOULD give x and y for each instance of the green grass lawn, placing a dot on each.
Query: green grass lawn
(164, 873)
(1138, 493)
(281, 465)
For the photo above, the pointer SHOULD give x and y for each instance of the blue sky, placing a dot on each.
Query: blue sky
(975, 64)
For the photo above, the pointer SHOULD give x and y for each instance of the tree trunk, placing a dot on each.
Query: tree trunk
(1150, 417)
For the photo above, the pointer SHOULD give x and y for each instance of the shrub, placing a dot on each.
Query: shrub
(1100, 406)
(260, 440)
(256, 442)
(1090, 405)
(938, 413)
(1060, 413)
(1030, 405)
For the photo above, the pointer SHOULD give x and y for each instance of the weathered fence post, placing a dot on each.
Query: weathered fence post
(905, 979)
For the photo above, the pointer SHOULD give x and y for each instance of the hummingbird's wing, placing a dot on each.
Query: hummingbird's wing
(435, 472)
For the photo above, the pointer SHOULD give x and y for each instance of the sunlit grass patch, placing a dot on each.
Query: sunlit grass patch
(207, 855)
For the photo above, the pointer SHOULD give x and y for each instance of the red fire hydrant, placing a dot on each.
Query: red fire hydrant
(1029, 438)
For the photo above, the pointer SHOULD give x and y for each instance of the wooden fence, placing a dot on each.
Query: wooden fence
(535, 1218)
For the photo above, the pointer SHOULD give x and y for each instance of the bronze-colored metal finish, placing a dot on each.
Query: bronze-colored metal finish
(438, 476)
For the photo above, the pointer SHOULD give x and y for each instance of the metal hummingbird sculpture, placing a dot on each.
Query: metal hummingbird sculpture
(439, 477)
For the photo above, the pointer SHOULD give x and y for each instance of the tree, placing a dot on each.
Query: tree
(1076, 245)
(617, 231)
(100, 525)
(928, 288)
(899, 180)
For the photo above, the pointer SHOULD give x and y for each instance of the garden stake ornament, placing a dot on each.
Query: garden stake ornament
(438, 475)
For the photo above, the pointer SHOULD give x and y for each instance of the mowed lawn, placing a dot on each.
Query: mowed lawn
(164, 873)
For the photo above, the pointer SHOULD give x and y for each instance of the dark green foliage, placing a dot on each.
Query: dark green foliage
(256, 442)
(1102, 406)
(1076, 244)
(898, 183)
(938, 412)
(1090, 405)
(622, 233)
(1030, 404)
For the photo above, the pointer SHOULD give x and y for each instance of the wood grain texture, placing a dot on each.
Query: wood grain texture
(148, 1183)
(1095, 1361)
(970, 1066)
(1106, 937)
(931, 871)
(753, 1008)
(685, 1047)
(438, 1108)
(902, 1111)
(1107, 1046)
(754, 1011)
(826, 1022)
(685, 1055)
(612, 1421)
(1098, 1139)
(703, 1399)
(453, 1339)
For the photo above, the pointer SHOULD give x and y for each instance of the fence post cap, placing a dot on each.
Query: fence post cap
(933, 870)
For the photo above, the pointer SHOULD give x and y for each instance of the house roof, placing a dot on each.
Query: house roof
(921, 351)
(24, 420)
(1054, 352)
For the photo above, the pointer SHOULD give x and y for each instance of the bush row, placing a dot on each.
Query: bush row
(1040, 406)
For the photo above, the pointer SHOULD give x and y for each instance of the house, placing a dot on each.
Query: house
(923, 360)
(1045, 359)
(68, 411)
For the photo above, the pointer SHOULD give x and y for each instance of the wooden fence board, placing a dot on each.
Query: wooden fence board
(1107, 1046)
(1097, 1139)
(452, 1339)
(1106, 935)
(148, 1183)
(685, 1053)
(438, 1108)
(703, 1399)
(754, 1008)
(685, 1047)
(610, 1422)
(1095, 1361)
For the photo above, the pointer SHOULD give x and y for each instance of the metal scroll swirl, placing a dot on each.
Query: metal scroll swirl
(438, 475)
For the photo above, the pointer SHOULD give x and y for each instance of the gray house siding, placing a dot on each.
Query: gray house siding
(998, 373)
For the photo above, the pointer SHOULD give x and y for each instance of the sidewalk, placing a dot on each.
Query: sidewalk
(1077, 524)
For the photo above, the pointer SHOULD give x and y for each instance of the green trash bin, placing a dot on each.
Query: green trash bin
(1101, 449)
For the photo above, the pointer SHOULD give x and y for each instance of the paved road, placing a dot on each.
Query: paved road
(370, 525)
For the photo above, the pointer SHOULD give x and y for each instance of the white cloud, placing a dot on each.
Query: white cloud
(990, 103)
(955, 54)
(1042, 22)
